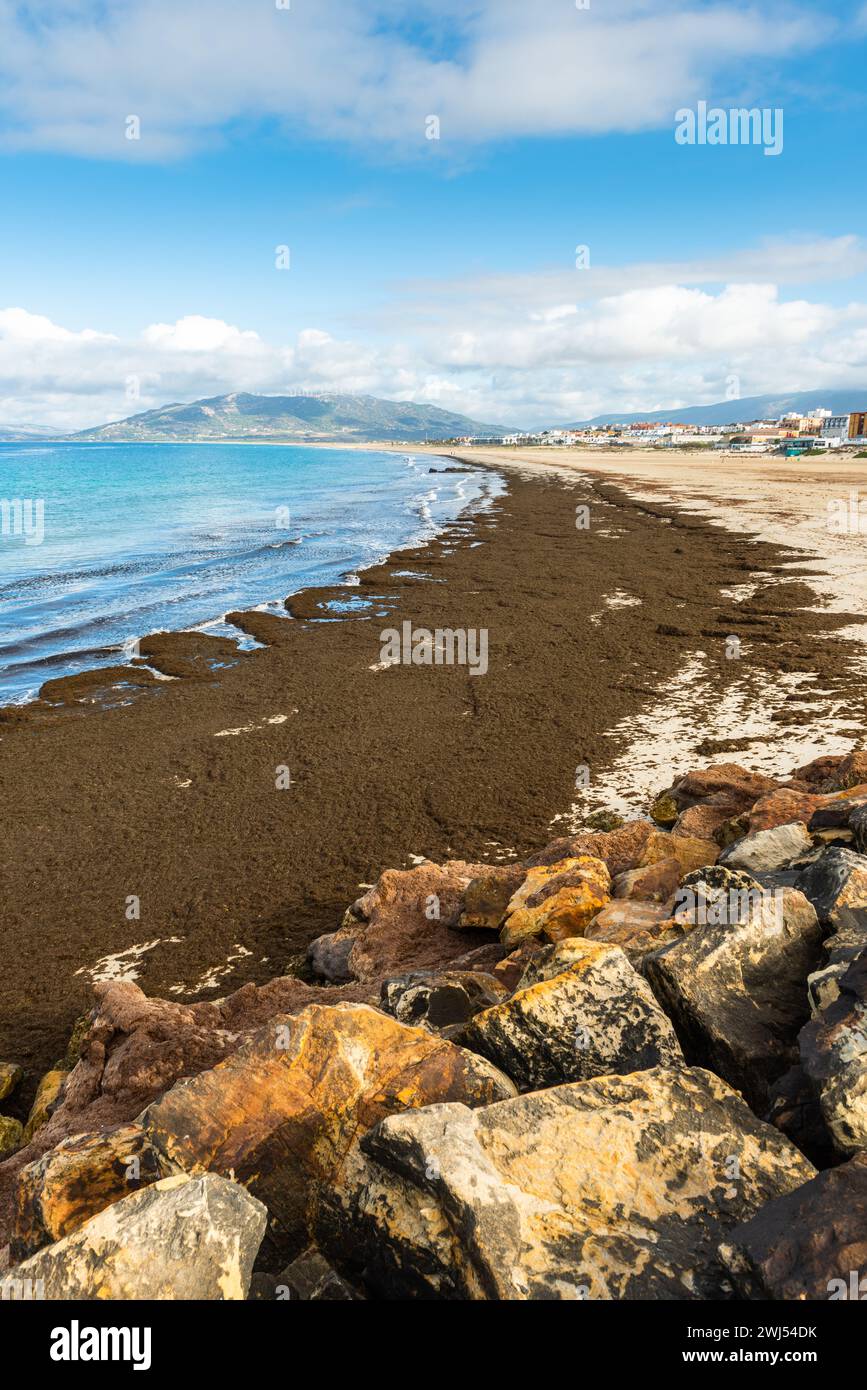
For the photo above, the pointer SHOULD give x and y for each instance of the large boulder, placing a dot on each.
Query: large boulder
(784, 806)
(615, 1188)
(618, 849)
(834, 881)
(557, 900)
(282, 1112)
(851, 771)
(689, 851)
(582, 1012)
(740, 787)
(409, 920)
(809, 1244)
(134, 1048)
(717, 895)
(736, 990)
(654, 883)
(833, 1050)
(80, 1177)
(763, 851)
(705, 820)
(183, 1238)
(840, 949)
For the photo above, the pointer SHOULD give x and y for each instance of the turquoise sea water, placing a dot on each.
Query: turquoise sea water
(114, 541)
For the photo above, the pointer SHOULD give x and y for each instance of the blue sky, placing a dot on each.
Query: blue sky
(133, 272)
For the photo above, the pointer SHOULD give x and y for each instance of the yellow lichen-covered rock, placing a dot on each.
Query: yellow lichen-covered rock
(80, 1177)
(282, 1112)
(690, 852)
(10, 1075)
(182, 1238)
(47, 1096)
(557, 900)
(622, 1187)
(581, 1011)
(11, 1136)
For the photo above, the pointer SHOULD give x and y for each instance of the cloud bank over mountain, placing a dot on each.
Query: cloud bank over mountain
(498, 348)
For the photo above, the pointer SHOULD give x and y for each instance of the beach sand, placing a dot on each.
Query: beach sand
(162, 801)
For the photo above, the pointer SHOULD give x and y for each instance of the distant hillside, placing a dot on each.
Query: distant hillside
(747, 408)
(11, 434)
(312, 418)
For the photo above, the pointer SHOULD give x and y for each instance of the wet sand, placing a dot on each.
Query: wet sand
(165, 791)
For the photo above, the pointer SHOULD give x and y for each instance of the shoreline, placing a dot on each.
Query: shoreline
(170, 799)
(128, 650)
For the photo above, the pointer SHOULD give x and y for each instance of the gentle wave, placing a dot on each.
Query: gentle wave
(140, 538)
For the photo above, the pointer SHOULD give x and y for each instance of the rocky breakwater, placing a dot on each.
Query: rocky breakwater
(632, 1066)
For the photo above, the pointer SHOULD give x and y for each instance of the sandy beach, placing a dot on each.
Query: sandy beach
(151, 841)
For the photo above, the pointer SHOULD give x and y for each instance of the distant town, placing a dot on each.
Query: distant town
(792, 434)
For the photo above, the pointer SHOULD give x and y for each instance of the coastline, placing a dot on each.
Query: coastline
(113, 623)
(171, 799)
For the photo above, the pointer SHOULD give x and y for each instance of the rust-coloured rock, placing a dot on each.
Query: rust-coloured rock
(136, 1048)
(730, 779)
(782, 806)
(849, 773)
(557, 900)
(78, 1178)
(654, 883)
(282, 1112)
(638, 928)
(619, 849)
(409, 920)
(690, 853)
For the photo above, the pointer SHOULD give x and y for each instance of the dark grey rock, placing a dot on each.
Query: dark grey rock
(328, 957)
(806, 1245)
(424, 999)
(858, 826)
(621, 1187)
(310, 1279)
(737, 991)
(833, 1048)
(793, 1108)
(585, 1012)
(837, 879)
(840, 949)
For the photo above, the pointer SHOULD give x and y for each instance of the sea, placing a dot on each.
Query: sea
(101, 544)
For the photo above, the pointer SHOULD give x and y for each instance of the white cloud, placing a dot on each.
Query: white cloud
(642, 343)
(17, 325)
(72, 73)
(194, 333)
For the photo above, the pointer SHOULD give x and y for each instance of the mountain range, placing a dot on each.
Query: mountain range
(839, 402)
(361, 419)
(18, 434)
(299, 419)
